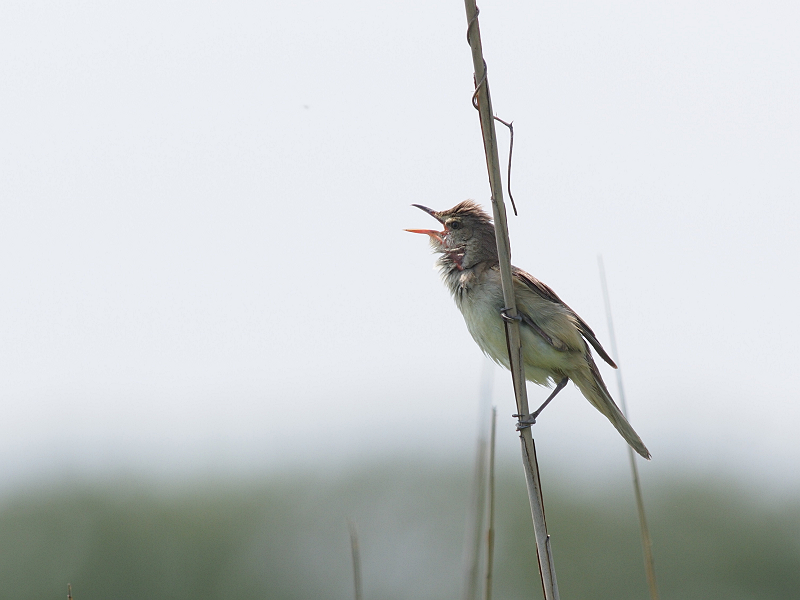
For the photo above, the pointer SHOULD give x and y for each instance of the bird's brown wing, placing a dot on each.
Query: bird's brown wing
(543, 291)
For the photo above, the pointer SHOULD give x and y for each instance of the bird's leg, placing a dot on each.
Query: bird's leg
(560, 386)
(527, 420)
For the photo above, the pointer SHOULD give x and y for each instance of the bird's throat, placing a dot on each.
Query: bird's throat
(457, 256)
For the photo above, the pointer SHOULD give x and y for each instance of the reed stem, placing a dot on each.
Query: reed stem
(484, 106)
(647, 545)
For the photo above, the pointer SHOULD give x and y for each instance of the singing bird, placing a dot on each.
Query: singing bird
(554, 337)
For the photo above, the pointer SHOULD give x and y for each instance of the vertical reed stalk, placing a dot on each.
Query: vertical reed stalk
(356, 561)
(484, 105)
(647, 549)
(490, 510)
(477, 508)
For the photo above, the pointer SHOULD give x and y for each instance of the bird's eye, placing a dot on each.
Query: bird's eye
(455, 225)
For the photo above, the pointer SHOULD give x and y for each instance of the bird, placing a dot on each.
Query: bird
(555, 340)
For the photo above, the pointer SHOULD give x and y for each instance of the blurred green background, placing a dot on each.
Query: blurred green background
(286, 537)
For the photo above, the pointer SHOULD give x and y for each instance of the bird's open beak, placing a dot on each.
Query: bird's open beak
(430, 211)
(435, 235)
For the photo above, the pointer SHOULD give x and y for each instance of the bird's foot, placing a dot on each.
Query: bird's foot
(525, 421)
(508, 318)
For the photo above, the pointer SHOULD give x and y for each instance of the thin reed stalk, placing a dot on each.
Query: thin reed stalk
(647, 545)
(487, 595)
(484, 106)
(476, 513)
(358, 594)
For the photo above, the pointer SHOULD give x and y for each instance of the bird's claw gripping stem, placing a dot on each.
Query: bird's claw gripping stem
(508, 318)
(525, 421)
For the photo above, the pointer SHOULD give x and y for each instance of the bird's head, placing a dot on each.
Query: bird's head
(467, 238)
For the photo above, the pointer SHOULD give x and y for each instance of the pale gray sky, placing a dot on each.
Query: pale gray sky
(201, 248)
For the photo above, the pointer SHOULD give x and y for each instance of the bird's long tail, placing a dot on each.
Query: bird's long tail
(591, 385)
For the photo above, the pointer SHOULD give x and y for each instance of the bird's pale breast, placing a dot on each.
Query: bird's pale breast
(480, 299)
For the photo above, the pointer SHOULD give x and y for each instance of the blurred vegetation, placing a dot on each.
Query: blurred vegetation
(286, 538)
